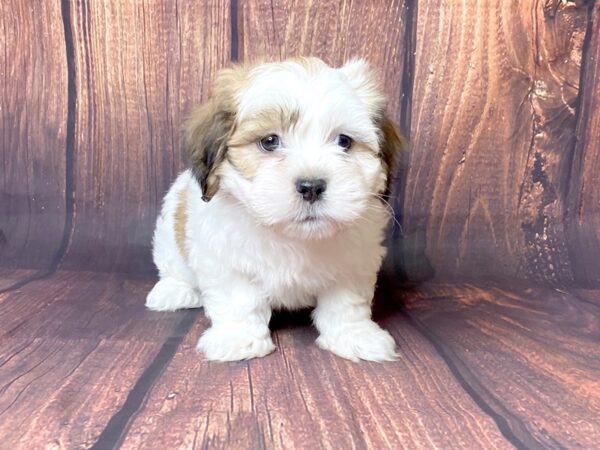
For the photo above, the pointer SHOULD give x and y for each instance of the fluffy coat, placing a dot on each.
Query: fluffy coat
(236, 237)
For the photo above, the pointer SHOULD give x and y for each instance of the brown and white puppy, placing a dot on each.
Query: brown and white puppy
(282, 208)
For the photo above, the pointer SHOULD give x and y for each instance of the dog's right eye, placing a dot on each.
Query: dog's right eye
(344, 141)
(270, 143)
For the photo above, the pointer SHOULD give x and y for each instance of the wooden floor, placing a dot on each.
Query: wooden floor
(83, 364)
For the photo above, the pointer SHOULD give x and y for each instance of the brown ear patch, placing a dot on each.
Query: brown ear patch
(391, 144)
(206, 143)
(209, 128)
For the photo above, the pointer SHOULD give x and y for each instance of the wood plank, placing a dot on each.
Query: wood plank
(480, 367)
(61, 393)
(73, 348)
(33, 120)
(76, 305)
(10, 277)
(587, 295)
(493, 125)
(530, 354)
(140, 66)
(334, 31)
(583, 216)
(303, 397)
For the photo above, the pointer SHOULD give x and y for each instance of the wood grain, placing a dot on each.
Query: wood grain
(501, 176)
(82, 305)
(493, 124)
(530, 354)
(583, 217)
(333, 30)
(73, 388)
(33, 116)
(83, 363)
(303, 397)
(10, 277)
(139, 68)
(72, 348)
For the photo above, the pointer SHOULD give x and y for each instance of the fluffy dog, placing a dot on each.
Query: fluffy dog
(282, 208)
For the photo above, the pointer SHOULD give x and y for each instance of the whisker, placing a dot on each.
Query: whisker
(389, 209)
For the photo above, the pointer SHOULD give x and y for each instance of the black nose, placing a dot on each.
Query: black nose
(311, 190)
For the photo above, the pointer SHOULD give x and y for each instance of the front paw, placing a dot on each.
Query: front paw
(361, 340)
(234, 342)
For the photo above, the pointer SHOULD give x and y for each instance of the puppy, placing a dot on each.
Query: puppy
(282, 208)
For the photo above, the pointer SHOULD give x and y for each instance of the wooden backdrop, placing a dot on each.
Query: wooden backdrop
(500, 100)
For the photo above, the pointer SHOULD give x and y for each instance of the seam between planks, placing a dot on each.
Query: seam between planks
(505, 421)
(233, 38)
(117, 427)
(408, 44)
(579, 117)
(69, 158)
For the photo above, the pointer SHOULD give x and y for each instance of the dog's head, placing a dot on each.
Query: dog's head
(302, 146)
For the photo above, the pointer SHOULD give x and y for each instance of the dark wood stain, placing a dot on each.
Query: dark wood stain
(583, 215)
(118, 425)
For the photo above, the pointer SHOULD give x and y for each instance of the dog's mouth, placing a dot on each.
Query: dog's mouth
(309, 218)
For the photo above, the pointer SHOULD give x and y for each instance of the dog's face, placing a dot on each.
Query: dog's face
(303, 146)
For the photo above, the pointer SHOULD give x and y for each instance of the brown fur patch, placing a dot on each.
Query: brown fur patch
(391, 144)
(276, 120)
(269, 120)
(245, 160)
(209, 128)
(181, 217)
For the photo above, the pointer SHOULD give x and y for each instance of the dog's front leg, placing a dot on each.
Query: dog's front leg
(343, 318)
(240, 316)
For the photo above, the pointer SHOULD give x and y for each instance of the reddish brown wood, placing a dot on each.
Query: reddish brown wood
(494, 135)
(82, 305)
(303, 397)
(530, 354)
(479, 367)
(72, 348)
(61, 393)
(583, 218)
(139, 68)
(33, 116)
(10, 277)
(493, 125)
(502, 182)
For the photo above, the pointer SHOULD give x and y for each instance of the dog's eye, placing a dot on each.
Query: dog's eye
(344, 141)
(270, 143)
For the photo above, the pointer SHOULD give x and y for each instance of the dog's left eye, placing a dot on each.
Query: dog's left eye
(270, 143)
(344, 141)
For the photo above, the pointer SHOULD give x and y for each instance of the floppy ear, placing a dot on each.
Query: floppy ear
(366, 84)
(208, 130)
(206, 137)
(391, 144)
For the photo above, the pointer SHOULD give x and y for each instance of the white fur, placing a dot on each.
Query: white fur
(249, 249)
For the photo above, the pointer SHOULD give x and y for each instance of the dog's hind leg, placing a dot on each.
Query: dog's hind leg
(177, 287)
